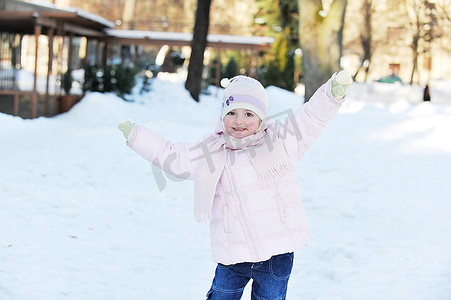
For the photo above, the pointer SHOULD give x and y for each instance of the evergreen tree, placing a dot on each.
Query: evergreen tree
(212, 70)
(275, 17)
(125, 79)
(109, 80)
(231, 68)
(289, 17)
(279, 69)
(91, 80)
(280, 18)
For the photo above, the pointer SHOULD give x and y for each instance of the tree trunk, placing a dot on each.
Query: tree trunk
(321, 41)
(414, 61)
(128, 13)
(366, 38)
(198, 44)
(415, 43)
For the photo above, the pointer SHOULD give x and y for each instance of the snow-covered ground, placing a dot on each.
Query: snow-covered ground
(81, 216)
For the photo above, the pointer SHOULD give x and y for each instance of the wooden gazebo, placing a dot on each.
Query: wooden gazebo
(19, 18)
(219, 42)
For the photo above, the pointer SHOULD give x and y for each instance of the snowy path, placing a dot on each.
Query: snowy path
(82, 217)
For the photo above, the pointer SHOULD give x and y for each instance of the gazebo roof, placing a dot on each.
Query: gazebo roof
(21, 17)
(184, 39)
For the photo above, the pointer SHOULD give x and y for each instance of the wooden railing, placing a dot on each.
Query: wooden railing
(16, 96)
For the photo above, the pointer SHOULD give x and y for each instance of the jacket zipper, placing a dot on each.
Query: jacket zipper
(244, 214)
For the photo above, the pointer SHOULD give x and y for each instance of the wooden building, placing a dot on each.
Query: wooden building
(19, 19)
(60, 27)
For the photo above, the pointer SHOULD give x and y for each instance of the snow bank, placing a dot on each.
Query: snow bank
(82, 217)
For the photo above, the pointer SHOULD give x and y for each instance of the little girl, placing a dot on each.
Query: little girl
(245, 182)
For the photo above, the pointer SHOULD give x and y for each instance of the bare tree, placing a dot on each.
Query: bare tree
(321, 35)
(366, 38)
(198, 44)
(445, 12)
(425, 29)
(444, 20)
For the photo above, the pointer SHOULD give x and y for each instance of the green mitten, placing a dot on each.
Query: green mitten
(127, 129)
(340, 84)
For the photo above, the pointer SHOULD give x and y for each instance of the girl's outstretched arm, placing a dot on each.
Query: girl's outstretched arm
(310, 119)
(174, 158)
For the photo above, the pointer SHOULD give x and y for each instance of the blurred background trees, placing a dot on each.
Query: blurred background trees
(280, 20)
(408, 40)
(424, 28)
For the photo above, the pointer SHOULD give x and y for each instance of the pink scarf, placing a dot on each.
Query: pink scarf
(264, 149)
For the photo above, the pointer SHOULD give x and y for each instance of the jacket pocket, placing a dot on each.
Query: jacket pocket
(282, 212)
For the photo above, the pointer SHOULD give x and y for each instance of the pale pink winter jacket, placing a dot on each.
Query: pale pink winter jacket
(248, 222)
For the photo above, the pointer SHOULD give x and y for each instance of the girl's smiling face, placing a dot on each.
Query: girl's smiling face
(241, 123)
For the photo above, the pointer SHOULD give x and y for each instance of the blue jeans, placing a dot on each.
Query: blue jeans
(270, 279)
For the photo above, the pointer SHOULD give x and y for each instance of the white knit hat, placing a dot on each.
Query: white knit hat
(244, 92)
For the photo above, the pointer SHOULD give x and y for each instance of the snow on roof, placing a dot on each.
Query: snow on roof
(142, 34)
(183, 36)
(240, 39)
(80, 12)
